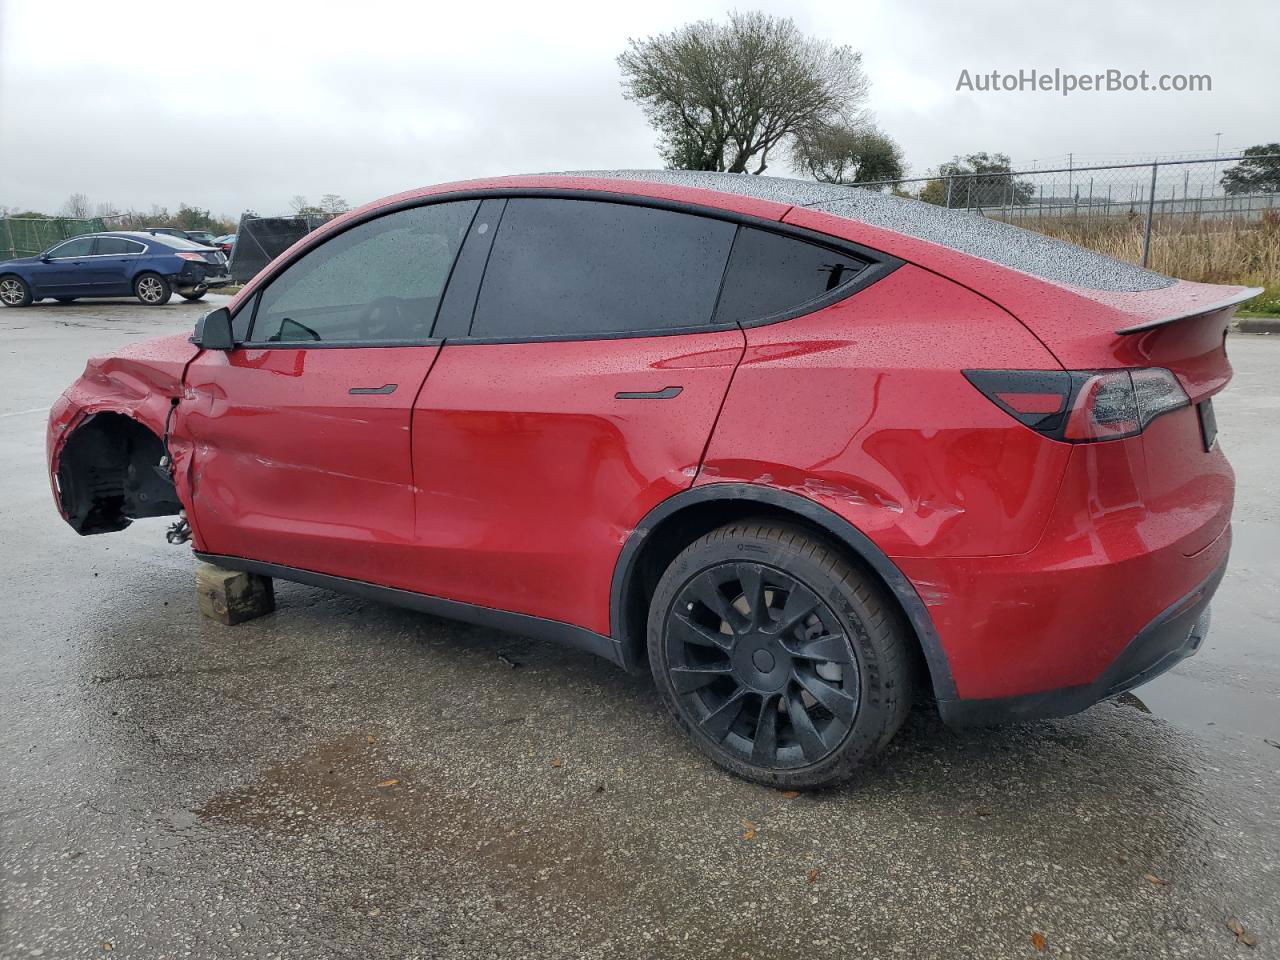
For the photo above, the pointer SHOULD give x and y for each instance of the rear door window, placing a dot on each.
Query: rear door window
(116, 246)
(571, 268)
(770, 273)
(379, 281)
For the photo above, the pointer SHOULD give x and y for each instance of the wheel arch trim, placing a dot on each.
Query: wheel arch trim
(844, 532)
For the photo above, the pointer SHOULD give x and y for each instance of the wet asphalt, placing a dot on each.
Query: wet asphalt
(345, 779)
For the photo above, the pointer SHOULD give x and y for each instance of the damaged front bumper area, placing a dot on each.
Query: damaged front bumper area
(110, 472)
(112, 456)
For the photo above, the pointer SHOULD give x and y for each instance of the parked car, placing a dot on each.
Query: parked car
(225, 243)
(802, 451)
(149, 267)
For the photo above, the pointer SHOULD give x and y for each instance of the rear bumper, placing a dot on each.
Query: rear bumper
(194, 276)
(1118, 553)
(1171, 637)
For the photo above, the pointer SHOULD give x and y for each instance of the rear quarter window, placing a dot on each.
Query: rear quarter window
(770, 274)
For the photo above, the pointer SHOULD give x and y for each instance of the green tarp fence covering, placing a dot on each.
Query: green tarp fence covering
(25, 238)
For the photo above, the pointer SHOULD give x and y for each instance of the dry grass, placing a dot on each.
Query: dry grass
(1211, 251)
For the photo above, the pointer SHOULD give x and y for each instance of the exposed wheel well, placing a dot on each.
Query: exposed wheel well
(109, 475)
(638, 574)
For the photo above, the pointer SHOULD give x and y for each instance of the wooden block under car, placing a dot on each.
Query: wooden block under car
(233, 596)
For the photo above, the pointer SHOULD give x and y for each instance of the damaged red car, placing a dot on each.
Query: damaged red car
(803, 451)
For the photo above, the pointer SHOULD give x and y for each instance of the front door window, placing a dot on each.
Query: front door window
(379, 281)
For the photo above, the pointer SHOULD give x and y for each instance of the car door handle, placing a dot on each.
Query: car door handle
(384, 389)
(664, 394)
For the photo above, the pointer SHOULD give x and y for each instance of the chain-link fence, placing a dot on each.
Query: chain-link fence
(1189, 218)
(23, 237)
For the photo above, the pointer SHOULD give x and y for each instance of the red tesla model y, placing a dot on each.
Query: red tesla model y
(801, 450)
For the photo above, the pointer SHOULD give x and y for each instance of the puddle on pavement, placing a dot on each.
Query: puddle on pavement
(1231, 687)
(1209, 710)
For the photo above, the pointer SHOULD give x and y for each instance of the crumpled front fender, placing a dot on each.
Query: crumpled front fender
(143, 383)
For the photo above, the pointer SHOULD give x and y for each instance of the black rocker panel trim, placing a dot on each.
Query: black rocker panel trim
(519, 623)
(841, 529)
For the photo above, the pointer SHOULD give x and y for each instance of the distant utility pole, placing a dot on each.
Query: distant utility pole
(1070, 163)
(1217, 152)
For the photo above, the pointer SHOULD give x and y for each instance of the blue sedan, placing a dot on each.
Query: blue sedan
(151, 267)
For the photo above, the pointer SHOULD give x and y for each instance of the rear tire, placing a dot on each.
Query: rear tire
(785, 663)
(192, 297)
(152, 289)
(14, 291)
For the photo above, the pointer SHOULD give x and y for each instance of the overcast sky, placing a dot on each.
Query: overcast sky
(231, 105)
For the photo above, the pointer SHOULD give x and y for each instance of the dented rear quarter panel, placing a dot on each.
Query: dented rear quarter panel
(862, 407)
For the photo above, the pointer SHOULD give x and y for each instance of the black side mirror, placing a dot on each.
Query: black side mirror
(45, 258)
(213, 331)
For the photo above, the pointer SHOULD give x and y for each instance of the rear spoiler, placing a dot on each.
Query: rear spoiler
(1245, 293)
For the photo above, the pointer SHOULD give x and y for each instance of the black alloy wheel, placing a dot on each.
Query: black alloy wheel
(785, 662)
(762, 665)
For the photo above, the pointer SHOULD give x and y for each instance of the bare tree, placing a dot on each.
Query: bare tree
(333, 204)
(298, 203)
(77, 206)
(159, 214)
(842, 153)
(722, 96)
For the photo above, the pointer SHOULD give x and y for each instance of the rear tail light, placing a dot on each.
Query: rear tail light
(1158, 392)
(1082, 406)
(184, 255)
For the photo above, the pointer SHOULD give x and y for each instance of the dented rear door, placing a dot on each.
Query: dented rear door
(579, 393)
